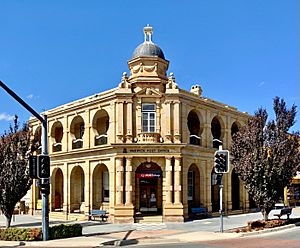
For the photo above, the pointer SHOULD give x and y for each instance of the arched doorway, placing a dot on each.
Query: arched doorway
(100, 190)
(235, 190)
(215, 191)
(77, 190)
(193, 185)
(57, 190)
(148, 181)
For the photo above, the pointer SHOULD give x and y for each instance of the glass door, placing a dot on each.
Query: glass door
(148, 196)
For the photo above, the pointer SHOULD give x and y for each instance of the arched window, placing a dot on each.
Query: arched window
(77, 132)
(216, 131)
(194, 128)
(234, 128)
(56, 135)
(100, 127)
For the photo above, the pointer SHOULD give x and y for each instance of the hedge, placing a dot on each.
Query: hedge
(34, 234)
(21, 234)
(65, 231)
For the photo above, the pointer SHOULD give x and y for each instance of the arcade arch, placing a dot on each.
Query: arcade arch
(76, 189)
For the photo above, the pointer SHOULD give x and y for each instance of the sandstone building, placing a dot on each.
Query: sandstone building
(143, 148)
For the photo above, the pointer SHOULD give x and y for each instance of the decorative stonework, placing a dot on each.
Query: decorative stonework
(125, 83)
(171, 82)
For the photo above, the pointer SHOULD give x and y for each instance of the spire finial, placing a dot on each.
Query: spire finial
(148, 33)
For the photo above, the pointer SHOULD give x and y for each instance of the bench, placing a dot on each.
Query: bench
(284, 211)
(200, 211)
(98, 213)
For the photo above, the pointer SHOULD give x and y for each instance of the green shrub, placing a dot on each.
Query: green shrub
(65, 231)
(21, 234)
(34, 234)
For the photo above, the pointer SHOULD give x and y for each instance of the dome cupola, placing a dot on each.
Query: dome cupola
(148, 48)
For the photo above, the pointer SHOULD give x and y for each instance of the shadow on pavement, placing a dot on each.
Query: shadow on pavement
(122, 242)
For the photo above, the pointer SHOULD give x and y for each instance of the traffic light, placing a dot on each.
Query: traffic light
(33, 167)
(221, 159)
(43, 168)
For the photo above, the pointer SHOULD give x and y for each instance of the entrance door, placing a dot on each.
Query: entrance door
(148, 195)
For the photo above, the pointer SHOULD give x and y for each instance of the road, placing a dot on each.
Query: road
(280, 239)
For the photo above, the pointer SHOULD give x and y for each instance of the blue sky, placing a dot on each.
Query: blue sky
(242, 53)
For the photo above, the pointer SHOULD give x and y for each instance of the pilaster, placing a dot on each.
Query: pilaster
(119, 181)
(177, 133)
(129, 122)
(128, 182)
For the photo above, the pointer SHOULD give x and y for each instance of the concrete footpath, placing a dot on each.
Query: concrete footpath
(97, 234)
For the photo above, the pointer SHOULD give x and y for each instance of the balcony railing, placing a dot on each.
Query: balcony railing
(195, 140)
(56, 147)
(77, 143)
(101, 139)
(148, 137)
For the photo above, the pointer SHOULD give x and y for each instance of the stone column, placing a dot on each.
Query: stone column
(119, 181)
(229, 191)
(158, 116)
(66, 138)
(208, 142)
(169, 186)
(208, 187)
(87, 189)
(128, 181)
(177, 181)
(87, 127)
(66, 204)
(177, 134)
(227, 138)
(168, 134)
(119, 122)
(129, 123)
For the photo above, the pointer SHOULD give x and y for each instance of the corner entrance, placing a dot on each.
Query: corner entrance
(149, 191)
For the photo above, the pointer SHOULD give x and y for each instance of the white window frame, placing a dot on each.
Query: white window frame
(150, 115)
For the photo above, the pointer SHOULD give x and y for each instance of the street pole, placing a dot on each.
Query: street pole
(44, 139)
(221, 207)
(221, 189)
(221, 194)
(45, 185)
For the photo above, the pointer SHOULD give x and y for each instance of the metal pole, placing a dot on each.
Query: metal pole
(45, 191)
(221, 209)
(19, 100)
(221, 190)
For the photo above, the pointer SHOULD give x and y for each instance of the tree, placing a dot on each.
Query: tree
(14, 170)
(266, 156)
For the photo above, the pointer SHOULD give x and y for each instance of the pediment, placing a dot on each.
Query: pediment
(148, 92)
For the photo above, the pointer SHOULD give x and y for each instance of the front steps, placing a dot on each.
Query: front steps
(149, 219)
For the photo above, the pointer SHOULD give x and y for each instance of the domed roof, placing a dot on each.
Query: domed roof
(148, 48)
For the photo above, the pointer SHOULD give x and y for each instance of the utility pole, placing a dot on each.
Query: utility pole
(45, 182)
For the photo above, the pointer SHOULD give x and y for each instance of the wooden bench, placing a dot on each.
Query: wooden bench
(200, 211)
(98, 213)
(284, 211)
